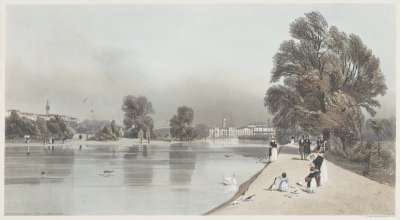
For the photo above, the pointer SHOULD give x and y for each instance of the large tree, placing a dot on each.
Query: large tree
(201, 131)
(17, 127)
(323, 79)
(136, 113)
(181, 123)
(57, 128)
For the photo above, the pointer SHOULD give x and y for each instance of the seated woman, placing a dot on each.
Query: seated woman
(281, 183)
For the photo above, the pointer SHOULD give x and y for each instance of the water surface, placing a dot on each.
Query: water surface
(153, 179)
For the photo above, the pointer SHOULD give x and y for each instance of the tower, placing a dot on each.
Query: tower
(47, 107)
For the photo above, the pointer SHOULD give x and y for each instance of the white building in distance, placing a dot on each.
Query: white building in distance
(245, 131)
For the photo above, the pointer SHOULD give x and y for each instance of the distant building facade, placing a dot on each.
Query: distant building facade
(34, 117)
(249, 130)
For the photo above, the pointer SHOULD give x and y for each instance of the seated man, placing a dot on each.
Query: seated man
(314, 173)
(281, 183)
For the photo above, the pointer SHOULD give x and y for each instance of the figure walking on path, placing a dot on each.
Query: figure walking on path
(268, 154)
(301, 147)
(319, 143)
(307, 147)
(274, 150)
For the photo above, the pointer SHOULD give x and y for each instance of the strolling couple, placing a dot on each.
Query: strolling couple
(304, 147)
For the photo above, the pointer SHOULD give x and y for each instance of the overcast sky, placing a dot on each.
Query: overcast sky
(216, 59)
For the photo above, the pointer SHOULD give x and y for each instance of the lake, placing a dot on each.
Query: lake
(157, 179)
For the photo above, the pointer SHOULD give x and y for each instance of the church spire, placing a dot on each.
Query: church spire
(47, 107)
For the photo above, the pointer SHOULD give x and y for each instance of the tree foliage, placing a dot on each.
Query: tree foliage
(201, 131)
(323, 78)
(136, 113)
(181, 124)
(58, 129)
(17, 127)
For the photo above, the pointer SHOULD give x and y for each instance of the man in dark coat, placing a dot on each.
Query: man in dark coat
(317, 164)
(301, 147)
(307, 147)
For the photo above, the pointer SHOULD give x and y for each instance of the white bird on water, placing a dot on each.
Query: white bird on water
(230, 180)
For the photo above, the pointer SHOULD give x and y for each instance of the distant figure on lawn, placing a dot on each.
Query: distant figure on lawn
(292, 140)
(148, 135)
(301, 147)
(140, 136)
(274, 150)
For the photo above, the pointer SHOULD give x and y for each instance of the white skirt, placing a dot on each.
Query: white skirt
(274, 154)
(324, 172)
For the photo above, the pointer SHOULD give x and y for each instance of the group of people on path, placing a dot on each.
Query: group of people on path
(318, 172)
(304, 147)
(317, 163)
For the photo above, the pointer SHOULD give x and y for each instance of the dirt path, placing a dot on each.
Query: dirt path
(345, 193)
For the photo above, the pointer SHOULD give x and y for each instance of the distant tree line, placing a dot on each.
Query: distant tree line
(137, 117)
(16, 127)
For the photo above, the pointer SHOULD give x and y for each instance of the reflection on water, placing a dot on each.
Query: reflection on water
(137, 172)
(79, 180)
(182, 162)
(42, 165)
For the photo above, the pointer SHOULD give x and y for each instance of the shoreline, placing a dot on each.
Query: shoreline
(243, 188)
(241, 191)
(341, 195)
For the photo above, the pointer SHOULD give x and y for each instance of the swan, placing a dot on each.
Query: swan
(231, 180)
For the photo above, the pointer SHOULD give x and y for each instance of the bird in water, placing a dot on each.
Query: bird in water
(108, 171)
(230, 180)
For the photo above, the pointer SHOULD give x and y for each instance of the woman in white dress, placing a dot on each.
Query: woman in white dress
(324, 171)
(274, 150)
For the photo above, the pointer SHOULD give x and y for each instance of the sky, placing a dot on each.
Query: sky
(216, 59)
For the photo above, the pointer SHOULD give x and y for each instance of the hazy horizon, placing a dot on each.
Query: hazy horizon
(216, 59)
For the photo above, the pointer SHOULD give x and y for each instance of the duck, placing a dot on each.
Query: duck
(108, 171)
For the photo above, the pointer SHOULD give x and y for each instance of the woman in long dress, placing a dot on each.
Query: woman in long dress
(324, 171)
(274, 150)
